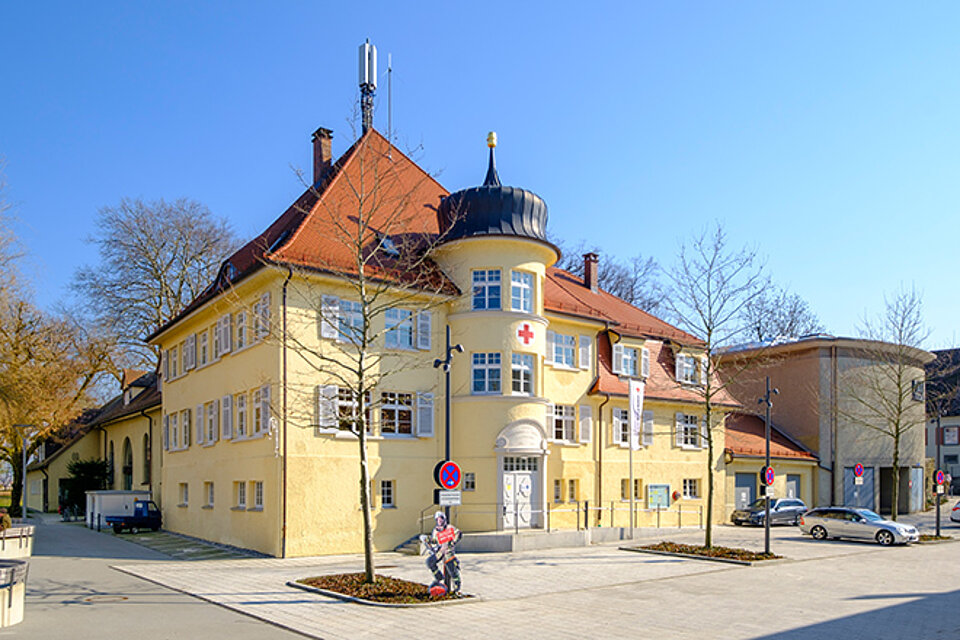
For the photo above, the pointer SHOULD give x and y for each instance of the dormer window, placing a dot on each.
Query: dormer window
(691, 369)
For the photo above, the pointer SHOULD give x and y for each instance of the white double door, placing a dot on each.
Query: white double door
(521, 496)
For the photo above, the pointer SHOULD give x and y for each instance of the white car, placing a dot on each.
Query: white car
(863, 524)
(955, 514)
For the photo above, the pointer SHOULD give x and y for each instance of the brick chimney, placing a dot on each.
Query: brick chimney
(591, 263)
(322, 153)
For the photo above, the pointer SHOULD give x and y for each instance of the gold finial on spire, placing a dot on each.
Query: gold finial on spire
(492, 139)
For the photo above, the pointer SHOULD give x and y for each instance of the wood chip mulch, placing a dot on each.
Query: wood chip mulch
(384, 589)
(711, 552)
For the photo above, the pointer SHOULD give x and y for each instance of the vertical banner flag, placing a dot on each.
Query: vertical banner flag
(636, 413)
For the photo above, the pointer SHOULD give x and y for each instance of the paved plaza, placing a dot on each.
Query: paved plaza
(822, 590)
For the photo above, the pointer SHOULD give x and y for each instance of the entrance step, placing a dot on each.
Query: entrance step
(411, 547)
(507, 541)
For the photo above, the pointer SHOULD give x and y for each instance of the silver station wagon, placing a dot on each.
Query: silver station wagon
(859, 524)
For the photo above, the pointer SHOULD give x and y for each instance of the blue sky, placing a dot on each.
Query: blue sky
(824, 134)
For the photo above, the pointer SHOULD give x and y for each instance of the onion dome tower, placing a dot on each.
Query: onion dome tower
(493, 209)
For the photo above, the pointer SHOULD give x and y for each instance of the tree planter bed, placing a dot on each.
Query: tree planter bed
(743, 557)
(385, 592)
(930, 539)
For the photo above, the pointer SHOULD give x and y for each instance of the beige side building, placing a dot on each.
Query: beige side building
(833, 395)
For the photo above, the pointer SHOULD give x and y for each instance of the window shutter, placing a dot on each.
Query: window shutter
(615, 427)
(165, 356)
(585, 342)
(618, 358)
(166, 433)
(703, 371)
(586, 423)
(265, 314)
(216, 420)
(329, 317)
(226, 340)
(265, 411)
(647, 428)
(551, 340)
(201, 425)
(645, 362)
(327, 406)
(226, 425)
(678, 431)
(678, 369)
(703, 433)
(425, 415)
(550, 421)
(424, 330)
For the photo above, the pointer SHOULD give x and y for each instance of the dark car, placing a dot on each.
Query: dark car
(782, 511)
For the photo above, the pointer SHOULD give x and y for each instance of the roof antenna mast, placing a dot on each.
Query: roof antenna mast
(368, 83)
(390, 101)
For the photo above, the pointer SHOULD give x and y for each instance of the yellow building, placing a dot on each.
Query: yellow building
(258, 409)
(120, 432)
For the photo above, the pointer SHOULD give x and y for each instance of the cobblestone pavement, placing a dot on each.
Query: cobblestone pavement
(823, 589)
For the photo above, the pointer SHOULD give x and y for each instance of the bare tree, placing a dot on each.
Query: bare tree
(778, 313)
(884, 393)
(155, 258)
(635, 280)
(712, 285)
(378, 236)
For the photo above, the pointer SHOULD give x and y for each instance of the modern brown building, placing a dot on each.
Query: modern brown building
(837, 399)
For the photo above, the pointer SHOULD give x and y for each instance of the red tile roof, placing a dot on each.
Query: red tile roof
(745, 437)
(373, 179)
(660, 385)
(566, 293)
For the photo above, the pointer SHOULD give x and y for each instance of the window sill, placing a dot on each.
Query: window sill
(563, 367)
(398, 436)
(182, 505)
(487, 393)
(207, 506)
(238, 508)
(255, 509)
(690, 447)
(565, 443)
(388, 506)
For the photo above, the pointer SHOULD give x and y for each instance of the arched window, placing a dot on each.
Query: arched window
(146, 458)
(110, 467)
(127, 470)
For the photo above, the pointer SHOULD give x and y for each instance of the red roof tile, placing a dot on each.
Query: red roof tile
(745, 437)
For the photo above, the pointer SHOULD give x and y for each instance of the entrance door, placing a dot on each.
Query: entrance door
(746, 489)
(793, 486)
(521, 498)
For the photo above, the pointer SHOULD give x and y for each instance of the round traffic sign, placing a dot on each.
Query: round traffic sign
(768, 476)
(448, 475)
(941, 478)
(858, 470)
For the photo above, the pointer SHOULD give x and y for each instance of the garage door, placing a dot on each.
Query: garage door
(746, 489)
(855, 495)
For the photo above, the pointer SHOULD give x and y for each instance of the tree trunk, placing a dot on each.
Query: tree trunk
(708, 525)
(365, 507)
(16, 492)
(895, 492)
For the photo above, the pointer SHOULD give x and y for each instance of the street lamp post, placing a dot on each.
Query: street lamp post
(936, 496)
(765, 400)
(445, 363)
(23, 480)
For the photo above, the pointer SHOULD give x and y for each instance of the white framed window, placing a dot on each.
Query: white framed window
(204, 354)
(165, 364)
(184, 494)
(387, 497)
(241, 328)
(625, 489)
(211, 414)
(241, 403)
(208, 492)
(175, 432)
(562, 348)
(399, 325)
(350, 321)
(185, 428)
(625, 360)
(396, 413)
(621, 426)
(226, 417)
(257, 406)
(561, 416)
(347, 407)
(688, 431)
(486, 289)
(190, 352)
(201, 426)
(486, 373)
(261, 317)
(174, 362)
(258, 494)
(521, 463)
(225, 325)
(469, 481)
(687, 369)
(240, 491)
(166, 433)
(558, 491)
(521, 291)
(691, 487)
(521, 374)
(573, 490)
(264, 423)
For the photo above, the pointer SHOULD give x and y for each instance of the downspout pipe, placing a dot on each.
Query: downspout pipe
(143, 412)
(283, 373)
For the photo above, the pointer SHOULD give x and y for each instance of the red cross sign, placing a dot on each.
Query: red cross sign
(525, 333)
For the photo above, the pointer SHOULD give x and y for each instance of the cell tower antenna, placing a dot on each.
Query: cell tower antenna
(368, 83)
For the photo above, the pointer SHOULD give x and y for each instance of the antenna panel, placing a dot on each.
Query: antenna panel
(368, 65)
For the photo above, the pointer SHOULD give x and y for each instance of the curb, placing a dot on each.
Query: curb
(468, 597)
(690, 556)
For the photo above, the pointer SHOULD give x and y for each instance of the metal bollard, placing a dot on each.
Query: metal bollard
(679, 518)
(611, 514)
(516, 518)
(658, 516)
(586, 514)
